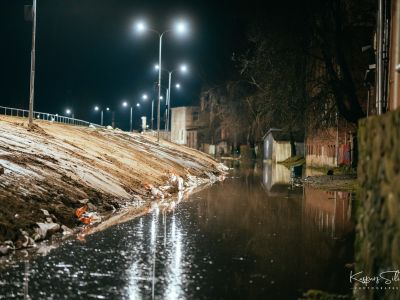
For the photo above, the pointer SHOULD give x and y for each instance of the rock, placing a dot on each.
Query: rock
(6, 247)
(45, 212)
(1, 170)
(177, 182)
(45, 230)
(66, 230)
(26, 242)
(91, 206)
(83, 201)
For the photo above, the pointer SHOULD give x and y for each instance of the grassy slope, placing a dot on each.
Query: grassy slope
(54, 166)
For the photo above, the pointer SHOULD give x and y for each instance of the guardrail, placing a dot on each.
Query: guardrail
(16, 112)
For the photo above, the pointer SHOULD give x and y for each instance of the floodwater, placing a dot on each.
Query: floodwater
(253, 236)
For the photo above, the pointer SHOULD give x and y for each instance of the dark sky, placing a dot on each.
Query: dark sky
(88, 54)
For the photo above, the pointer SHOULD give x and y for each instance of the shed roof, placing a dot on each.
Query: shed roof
(280, 136)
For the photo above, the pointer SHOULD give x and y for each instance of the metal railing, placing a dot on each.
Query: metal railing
(22, 113)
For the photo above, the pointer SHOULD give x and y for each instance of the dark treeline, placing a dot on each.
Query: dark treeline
(298, 72)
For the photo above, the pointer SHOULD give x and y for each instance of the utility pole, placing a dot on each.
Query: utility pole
(33, 55)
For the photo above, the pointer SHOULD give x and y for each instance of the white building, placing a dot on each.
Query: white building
(185, 122)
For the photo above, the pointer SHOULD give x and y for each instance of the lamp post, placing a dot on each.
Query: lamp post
(125, 104)
(183, 68)
(33, 55)
(180, 28)
(69, 112)
(96, 108)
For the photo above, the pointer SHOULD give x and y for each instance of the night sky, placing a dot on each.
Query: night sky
(88, 54)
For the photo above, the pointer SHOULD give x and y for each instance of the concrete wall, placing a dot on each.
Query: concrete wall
(378, 229)
(182, 122)
(178, 125)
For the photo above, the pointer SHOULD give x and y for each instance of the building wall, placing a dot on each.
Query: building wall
(184, 124)
(378, 229)
(281, 151)
(394, 57)
(320, 148)
(178, 125)
(268, 145)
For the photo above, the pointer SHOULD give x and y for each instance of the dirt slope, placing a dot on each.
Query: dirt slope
(54, 166)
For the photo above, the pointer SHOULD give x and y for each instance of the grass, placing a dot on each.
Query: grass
(341, 170)
(293, 161)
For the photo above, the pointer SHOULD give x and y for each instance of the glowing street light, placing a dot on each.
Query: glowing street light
(137, 104)
(178, 86)
(140, 26)
(180, 28)
(145, 97)
(126, 104)
(183, 68)
(69, 112)
(96, 108)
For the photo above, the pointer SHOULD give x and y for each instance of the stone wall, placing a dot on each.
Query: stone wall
(378, 229)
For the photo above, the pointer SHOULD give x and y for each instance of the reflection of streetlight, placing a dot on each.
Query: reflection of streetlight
(181, 28)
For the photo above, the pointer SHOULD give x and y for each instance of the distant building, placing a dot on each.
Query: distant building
(277, 145)
(185, 125)
(331, 147)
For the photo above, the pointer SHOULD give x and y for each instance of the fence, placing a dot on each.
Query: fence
(165, 135)
(16, 112)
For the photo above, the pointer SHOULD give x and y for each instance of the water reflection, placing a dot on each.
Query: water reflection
(329, 211)
(250, 237)
(276, 177)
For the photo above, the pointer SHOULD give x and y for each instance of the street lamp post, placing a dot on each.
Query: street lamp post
(125, 104)
(183, 69)
(69, 112)
(96, 108)
(180, 28)
(33, 55)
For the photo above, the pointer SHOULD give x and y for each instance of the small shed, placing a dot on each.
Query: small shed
(277, 146)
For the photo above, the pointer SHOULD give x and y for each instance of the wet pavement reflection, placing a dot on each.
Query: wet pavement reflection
(244, 238)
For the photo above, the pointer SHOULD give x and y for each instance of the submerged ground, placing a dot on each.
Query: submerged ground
(50, 170)
(252, 236)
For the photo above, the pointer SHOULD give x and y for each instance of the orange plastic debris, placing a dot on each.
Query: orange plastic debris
(86, 220)
(148, 186)
(80, 211)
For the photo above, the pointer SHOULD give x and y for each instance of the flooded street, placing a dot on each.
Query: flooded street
(252, 236)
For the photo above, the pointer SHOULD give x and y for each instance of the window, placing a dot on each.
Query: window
(195, 116)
